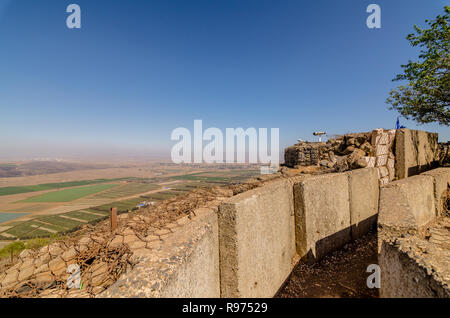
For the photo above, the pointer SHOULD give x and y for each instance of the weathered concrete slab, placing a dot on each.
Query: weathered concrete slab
(185, 265)
(408, 203)
(415, 151)
(363, 194)
(257, 245)
(441, 178)
(322, 215)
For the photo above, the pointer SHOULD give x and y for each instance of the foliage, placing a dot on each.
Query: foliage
(426, 96)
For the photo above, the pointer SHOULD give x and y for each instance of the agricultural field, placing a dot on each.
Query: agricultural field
(126, 190)
(10, 216)
(50, 186)
(47, 225)
(71, 194)
(63, 206)
(219, 177)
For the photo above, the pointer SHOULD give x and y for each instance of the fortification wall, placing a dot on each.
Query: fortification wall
(248, 246)
(257, 241)
(185, 264)
(413, 239)
(416, 152)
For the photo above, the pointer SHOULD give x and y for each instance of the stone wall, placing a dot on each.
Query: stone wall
(257, 243)
(348, 152)
(364, 197)
(304, 154)
(261, 234)
(416, 151)
(412, 237)
(383, 142)
(441, 186)
(322, 215)
(185, 264)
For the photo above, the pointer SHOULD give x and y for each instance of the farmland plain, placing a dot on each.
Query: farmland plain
(58, 203)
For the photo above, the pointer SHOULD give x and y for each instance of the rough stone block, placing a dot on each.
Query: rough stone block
(441, 178)
(407, 203)
(185, 265)
(257, 244)
(382, 160)
(363, 194)
(322, 215)
(381, 150)
(416, 151)
(383, 171)
(370, 161)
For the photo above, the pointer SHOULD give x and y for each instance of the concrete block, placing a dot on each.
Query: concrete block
(257, 243)
(322, 215)
(383, 172)
(415, 151)
(186, 265)
(441, 178)
(391, 169)
(363, 194)
(408, 203)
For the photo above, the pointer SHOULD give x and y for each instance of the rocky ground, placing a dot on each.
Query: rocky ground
(340, 274)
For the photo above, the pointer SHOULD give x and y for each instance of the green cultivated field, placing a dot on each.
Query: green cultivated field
(51, 186)
(10, 216)
(127, 190)
(45, 225)
(220, 177)
(69, 194)
(66, 222)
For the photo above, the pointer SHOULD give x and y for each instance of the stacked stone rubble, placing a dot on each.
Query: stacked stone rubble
(383, 142)
(304, 154)
(351, 151)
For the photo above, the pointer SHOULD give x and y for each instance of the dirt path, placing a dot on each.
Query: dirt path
(340, 274)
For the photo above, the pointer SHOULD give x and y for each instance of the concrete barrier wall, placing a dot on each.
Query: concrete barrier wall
(415, 152)
(407, 203)
(257, 244)
(248, 246)
(441, 180)
(322, 215)
(363, 195)
(412, 264)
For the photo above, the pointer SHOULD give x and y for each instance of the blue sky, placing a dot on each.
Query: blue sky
(138, 69)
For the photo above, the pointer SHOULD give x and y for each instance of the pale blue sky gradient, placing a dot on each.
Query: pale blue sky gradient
(138, 69)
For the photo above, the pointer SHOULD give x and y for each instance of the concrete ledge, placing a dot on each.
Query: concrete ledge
(407, 204)
(363, 194)
(415, 152)
(322, 215)
(185, 265)
(257, 245)
(441, 178)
